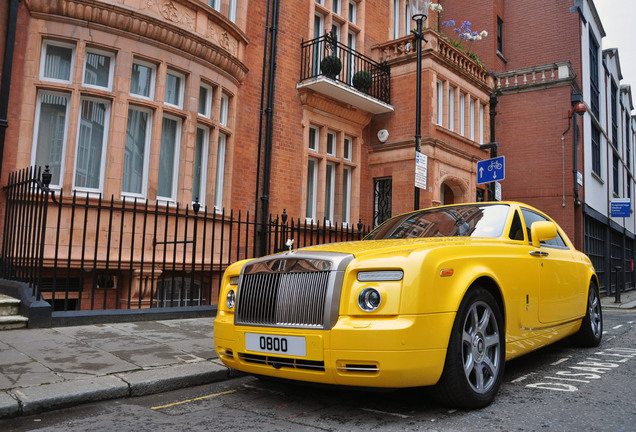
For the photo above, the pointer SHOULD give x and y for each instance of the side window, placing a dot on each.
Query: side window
(516, 229)
(530, 217)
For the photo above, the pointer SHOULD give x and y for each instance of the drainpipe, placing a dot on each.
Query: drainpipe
(260, 126)
(7, 66)
(269, 114)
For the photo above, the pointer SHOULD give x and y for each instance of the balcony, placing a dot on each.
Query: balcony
(356, 80)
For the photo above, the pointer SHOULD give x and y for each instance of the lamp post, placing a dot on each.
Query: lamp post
(419, 13)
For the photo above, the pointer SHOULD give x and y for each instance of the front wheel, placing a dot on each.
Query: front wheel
(474, 365)
(591, 331)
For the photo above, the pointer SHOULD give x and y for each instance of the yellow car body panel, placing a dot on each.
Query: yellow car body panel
(542, 292)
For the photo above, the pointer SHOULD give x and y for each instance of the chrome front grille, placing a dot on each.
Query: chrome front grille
(291, 290)
(293, 299)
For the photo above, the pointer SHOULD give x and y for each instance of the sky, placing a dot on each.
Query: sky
(618, 17)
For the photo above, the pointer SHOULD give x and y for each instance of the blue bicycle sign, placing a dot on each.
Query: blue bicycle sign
(491, 170)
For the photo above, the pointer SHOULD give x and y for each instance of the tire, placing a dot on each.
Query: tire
(591, 331)
(474, 366)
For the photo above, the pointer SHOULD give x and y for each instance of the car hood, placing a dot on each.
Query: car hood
(365, 248)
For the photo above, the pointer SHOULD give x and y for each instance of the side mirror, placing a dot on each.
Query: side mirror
(542, 231)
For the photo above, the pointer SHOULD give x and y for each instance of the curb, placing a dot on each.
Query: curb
(33, 400)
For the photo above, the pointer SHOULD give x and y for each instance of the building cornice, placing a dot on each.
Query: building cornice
(184, 26)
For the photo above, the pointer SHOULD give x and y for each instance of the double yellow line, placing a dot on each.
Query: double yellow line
(193, 400)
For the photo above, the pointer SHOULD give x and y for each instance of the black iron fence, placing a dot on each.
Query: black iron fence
(88, 253)
(326, 56)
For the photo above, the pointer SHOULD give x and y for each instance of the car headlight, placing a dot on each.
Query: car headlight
(369, 299)
(380, 276)
(230, 300)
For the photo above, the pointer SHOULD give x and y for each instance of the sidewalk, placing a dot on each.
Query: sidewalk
(47, 369)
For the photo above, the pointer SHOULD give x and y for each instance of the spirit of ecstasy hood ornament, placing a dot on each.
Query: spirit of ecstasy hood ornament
(289, 244)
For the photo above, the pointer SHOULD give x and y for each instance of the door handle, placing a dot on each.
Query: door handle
(539, 253)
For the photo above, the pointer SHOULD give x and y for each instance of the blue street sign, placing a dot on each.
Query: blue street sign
(491, 170)
(620, 207)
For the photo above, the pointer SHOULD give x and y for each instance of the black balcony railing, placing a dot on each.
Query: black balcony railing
(355, 68)
(82, 253)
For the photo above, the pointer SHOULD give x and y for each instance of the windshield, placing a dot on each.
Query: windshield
(485, 220)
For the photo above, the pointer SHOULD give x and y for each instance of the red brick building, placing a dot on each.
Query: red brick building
(229, 104)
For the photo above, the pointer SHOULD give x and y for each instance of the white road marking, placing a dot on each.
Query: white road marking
(558, 362)
(385, 412)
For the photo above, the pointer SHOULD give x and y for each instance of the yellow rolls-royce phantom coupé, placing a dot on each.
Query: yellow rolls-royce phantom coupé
(438, 297)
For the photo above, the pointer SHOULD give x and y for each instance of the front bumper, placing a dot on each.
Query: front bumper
(402, 351)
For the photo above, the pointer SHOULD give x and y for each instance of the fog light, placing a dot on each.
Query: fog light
(231, 299)
(369, 299)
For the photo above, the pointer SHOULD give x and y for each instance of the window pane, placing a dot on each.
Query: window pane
(313, 139)
(216, 4)
(90, 144)
(203, 101)
(167, 175)
(134, 155)
(141, 80)
(173, 90)
(220, 172)
(329, 192)
(347, 149)
(232, 11)
(50, 136)
(97, 70)
(346, 195)
(225, 107)
(451, 108)
(331, 144)
(57, 62)
(200, 155)
(311, 189)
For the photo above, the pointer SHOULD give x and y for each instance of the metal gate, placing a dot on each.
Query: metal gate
(383, 190)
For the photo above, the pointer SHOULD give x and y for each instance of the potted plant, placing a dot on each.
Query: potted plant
(331, 66)
(362, 81)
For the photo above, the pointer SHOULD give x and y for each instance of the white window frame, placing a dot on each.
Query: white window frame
(440, 103)
(396, 19)
(175, 161)
(36, 131)
(353, 11)
(181, 88)
(208, 100)
(220, 172)
(153, 79)
(111, 68)
(407, 19)
(346, 196)
(462, 114)
(316, 133)
(481, 123)
(224, 111)
(45, 46)
(231, 14)
(203, 179)
(332, 139)
(347, 152)
(146, 158)
(102, 166)
(330, 193)
(336, 6)
(472, 119)
(451, 108)
(312, 175)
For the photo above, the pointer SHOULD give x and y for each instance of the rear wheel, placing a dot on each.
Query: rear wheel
(591, 331)
(474, 365)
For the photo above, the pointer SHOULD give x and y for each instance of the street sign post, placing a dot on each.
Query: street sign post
(491, 170)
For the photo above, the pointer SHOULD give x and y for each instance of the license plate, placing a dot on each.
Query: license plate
(274, 344)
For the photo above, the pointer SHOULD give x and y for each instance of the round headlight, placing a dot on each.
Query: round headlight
(231, 299)
(369, 299)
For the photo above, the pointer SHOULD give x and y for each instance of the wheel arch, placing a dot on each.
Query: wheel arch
(492, 287)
